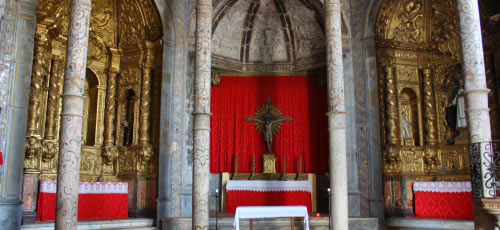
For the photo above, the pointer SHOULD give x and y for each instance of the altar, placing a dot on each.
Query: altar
(244, 192)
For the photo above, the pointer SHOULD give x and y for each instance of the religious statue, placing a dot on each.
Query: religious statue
(406, 125)
(270, 121)
(459, 105)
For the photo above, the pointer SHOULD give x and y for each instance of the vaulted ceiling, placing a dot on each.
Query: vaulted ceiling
(268, 31)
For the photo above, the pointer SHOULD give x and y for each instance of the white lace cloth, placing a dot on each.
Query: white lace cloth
(268, 185)
(88, 187)
(460, 186)
(270, 212)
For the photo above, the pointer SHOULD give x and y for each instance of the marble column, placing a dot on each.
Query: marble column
(336, 116)
(68, 174)
(476, 92)
(202, 114)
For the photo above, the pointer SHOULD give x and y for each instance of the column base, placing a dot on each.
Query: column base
(486, 213)
(10, 214)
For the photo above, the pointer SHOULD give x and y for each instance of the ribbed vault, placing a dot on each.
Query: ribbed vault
(268, 31)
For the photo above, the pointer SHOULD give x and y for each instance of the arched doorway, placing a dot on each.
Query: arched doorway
(122, 99)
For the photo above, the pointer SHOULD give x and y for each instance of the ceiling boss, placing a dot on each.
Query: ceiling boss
(268, 121)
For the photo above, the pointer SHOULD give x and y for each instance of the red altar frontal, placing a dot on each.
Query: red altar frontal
(444, 200)
(96, 200)
(268, 193)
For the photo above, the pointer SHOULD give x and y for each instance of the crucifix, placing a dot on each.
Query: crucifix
(268, 120)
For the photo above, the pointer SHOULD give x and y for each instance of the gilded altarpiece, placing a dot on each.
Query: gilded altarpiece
(122, 94)
(419, 78)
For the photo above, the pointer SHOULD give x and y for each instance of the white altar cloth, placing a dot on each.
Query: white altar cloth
(270, 212)
(268, 185)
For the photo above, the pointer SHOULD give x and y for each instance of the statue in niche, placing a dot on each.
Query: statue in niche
(456, 109)
(128, 123)
(268, 121)
(406, 125)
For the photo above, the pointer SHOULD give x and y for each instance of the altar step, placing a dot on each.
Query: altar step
(132, 224)
(226, 223)
(428, 224)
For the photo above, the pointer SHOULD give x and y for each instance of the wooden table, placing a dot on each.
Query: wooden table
(253, 212)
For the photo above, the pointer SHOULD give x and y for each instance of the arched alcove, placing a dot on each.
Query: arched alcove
(90, 108)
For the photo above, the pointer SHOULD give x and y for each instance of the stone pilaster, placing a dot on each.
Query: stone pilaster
(202, 114)
(336, 116)
(476, 92)
(68, 174)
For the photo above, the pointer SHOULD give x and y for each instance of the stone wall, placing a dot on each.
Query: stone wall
(17, 27)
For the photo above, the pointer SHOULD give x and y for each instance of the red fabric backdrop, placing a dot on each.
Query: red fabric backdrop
(300, 97)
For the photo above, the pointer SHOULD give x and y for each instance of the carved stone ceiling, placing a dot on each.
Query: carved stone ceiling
(267, 31)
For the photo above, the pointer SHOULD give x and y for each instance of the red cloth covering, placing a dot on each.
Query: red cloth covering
(456, 205)
(1, 158)
(306, 136)
(444, 200)
(238, 198)
(90, 205)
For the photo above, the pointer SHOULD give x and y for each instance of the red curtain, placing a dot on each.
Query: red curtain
(300, 97)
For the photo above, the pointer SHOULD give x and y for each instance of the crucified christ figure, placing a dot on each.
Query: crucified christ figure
(268, 120)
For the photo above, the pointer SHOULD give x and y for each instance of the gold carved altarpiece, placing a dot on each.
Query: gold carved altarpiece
(121, 114)
(418, 63)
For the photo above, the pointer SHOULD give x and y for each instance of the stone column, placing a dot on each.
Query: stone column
(202, 114)
(336, 116)
(68, 174)
(476, 92)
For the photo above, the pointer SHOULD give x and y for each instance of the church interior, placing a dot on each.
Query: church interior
(373, 114)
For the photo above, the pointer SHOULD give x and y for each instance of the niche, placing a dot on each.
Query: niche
(408, 117)
(90, 108)
(129, 119)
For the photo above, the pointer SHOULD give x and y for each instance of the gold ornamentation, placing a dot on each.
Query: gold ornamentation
(445, 32)
(412, 161)
(50, 150)
(33, 147)
(109, 154)
(429, 109)
(114, 71)
(409, 28)
(390, 102)
(417, 75)
(145, 154)
(215, 78)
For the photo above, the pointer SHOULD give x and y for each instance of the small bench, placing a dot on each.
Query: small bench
(253, 212)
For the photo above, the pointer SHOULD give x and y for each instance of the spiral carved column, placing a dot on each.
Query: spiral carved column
(336, 116)
(430, 113)
(476, 92)
(40, 65)
(145, 102)
(430, 120)
(68, 174)
(110, 152)
(391, 115)
(202, 114)
(53, 103)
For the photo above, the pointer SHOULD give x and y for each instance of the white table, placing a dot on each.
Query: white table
(270, 212)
